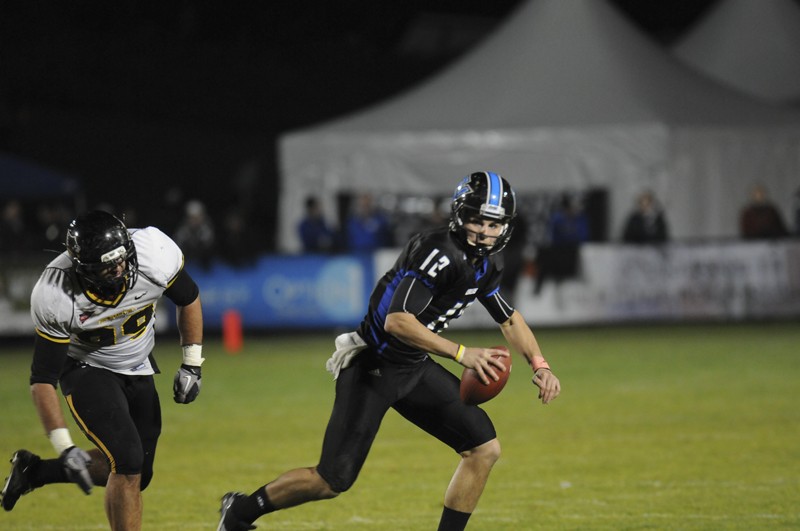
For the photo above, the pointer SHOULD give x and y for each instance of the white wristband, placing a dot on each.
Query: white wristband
(193, 355)
(60, 439)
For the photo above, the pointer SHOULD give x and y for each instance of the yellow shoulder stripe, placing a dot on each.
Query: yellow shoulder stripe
(54, 339)
(176, 274)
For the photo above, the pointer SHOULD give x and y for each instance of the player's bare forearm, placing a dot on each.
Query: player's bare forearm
(520, 337)
(190, 323)
(406, 328)
(48, 406)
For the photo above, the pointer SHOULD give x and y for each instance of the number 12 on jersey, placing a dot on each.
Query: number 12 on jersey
(436, 265)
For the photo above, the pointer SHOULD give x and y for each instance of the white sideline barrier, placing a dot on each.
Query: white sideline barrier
(717, 281)
(711, 281)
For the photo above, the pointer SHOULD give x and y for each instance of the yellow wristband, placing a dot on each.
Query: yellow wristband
(460, 353)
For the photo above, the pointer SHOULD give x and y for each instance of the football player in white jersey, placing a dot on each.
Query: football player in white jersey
(94, 314)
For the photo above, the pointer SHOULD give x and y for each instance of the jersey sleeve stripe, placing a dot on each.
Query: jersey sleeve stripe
(405, 299)
(178, 272)
(54, 339)
(503, 305)
(408, 295)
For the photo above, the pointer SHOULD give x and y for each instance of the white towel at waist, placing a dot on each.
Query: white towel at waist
(347, 347)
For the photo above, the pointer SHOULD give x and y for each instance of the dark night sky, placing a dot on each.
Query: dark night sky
(262, 65)
(149, 93)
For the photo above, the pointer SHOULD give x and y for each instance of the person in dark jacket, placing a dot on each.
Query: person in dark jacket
(647, 223)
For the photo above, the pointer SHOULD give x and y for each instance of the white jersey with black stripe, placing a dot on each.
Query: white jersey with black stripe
(117, 335)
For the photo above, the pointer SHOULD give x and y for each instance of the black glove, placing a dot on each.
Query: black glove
(186, 385)
(75, 463)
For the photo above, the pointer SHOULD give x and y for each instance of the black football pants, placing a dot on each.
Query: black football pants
(426, 394)
(120, 414)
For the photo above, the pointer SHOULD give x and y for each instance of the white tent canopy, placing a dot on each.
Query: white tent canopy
(752, 46)
(565, 95)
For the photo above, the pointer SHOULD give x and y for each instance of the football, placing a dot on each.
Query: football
(473, 391)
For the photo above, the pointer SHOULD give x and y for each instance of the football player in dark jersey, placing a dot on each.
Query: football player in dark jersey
(387, 363)
(94, 311)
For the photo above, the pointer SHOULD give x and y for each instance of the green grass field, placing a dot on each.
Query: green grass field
(662, 427)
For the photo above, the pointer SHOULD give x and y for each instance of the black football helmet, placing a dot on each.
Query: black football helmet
(486, 195)
(97, 241)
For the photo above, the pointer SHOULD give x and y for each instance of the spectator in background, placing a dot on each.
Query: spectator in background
(647, 223)
(169, 212)
(315, 233)
(14, 235)
(195, 234)
(236, 244)
(569, 224)
(760, 219)
(367, 228)
(52, 218)
(568, 228)
(514, 258)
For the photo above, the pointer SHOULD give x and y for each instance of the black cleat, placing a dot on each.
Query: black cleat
(227, 519)
(18, 481)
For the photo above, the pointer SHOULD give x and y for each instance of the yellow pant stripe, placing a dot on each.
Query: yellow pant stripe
(92, 436)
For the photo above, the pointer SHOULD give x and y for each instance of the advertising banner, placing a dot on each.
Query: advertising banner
(288, 291)
(718, 281)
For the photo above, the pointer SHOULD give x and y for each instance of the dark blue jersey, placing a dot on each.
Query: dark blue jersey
(434, 280)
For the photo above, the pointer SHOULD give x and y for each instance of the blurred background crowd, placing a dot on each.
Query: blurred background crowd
(169, 114)
(549, 228)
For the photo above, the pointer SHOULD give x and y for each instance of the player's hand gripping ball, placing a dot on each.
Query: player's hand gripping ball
(474, 391)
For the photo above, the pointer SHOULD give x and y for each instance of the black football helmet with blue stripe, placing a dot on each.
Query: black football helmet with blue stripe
(487, 195)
